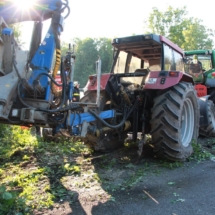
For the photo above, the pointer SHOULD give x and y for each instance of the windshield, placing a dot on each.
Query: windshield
(204, 59)
(134, 63)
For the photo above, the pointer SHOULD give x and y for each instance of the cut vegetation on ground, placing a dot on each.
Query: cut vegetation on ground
(37, 177)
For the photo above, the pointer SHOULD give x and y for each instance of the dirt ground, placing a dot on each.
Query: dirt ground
(121, 183)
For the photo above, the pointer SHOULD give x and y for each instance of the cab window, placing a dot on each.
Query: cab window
(120, 64)
(178, 61)
(168, 58)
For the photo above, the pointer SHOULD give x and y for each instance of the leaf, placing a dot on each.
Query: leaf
(180, 200)
(171, 183)
(66, 166)
(7, 196)
(129, 165)
(175, 194)
(2, 189)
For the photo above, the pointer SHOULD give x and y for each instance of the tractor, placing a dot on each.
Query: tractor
(203, 73)
(150, 94)
(146, 91)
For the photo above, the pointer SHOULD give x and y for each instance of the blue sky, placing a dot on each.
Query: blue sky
(115, 18)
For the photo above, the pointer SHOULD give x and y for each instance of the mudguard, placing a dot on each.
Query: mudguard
(165, 79)
(203, 101)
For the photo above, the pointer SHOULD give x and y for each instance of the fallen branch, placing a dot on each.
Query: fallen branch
(150, 197)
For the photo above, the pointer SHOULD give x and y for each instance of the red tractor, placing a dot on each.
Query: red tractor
(150, 94)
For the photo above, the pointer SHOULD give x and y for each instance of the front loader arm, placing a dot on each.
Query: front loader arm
(25, 78)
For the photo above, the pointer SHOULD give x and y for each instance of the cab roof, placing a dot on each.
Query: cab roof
(144, 46)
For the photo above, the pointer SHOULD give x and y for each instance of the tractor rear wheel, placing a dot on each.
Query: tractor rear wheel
(175, 122)
(209, 130)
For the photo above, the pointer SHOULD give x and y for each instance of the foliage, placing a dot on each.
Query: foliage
(14, 141)
(187, 32)
(31, 169)
(17, 33)
(199, 153)
(10, 203)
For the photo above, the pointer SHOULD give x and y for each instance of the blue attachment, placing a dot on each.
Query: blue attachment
(75, 130)
(48, 93)
(77, 119)
(7, 31)
(42, 61)
(43, 58)
(58, 127)
(70, 91)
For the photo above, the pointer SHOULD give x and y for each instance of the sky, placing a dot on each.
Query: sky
(119, 18)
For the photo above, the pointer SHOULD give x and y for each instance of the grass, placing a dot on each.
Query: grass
(36, 175)
(30, 170)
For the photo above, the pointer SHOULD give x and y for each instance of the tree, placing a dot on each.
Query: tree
(187, 32)
(105, 52)
(17, 33)
(87, 52)
(86, 57)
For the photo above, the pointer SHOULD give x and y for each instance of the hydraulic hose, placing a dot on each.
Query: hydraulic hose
(40, 109)
(66, 5)
(52, 79)
(114, 126)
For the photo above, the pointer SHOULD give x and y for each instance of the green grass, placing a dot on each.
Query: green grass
(31, 170)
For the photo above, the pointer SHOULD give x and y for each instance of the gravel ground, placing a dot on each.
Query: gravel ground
(183, 191)
(128, 185)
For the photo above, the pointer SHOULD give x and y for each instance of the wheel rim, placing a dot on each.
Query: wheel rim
(187, 122)
(213, 118)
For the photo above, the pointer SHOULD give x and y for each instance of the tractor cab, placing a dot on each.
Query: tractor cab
(148, 52)
(149, 61)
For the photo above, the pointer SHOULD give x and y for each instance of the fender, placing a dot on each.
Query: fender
(203, 102)
(166, 79)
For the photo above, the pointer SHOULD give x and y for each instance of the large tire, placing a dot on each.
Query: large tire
(111, 140)
(175, 122)
(211, 92)
(209, 130)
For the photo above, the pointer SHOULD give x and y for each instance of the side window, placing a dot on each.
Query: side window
(168, 58)
(178, 61)
(134, 64)
(120, 64)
